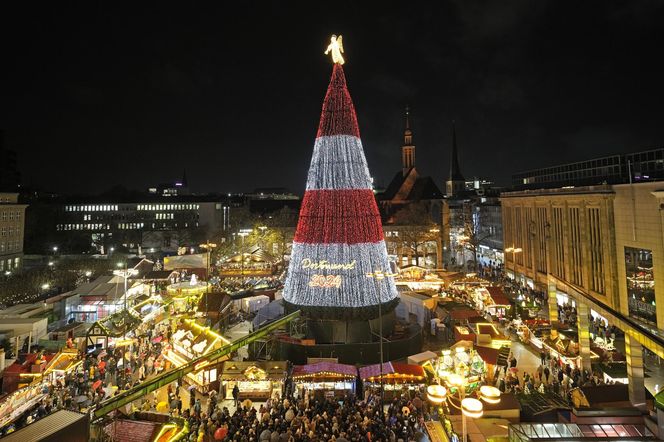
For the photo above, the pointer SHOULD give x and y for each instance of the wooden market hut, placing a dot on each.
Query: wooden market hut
(256, 380)
(325, 378)
(396, 376)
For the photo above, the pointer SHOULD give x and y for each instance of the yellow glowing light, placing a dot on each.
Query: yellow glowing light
(436, 394)
(163, 431)
(460, 350)
(472, 408)
(337, 48)
(123, 342)
(447, 352)
(490, 394)
(456, 380)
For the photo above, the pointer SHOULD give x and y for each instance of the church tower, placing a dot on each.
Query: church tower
(456, 183)
(407, 149)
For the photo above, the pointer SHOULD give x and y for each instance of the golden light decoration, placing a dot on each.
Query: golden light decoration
(436, 394)
(456, 380)
(472, 408)
(489, 394)
(336, 46)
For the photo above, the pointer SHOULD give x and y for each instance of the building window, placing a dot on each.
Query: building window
(640, 284)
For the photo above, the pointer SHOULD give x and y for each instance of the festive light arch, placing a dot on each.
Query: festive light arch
(339, 236)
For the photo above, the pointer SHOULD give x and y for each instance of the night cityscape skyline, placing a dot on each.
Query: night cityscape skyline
(100, 91)
(332, 222)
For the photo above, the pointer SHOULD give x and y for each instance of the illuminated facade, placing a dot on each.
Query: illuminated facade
(12, 227)
(151, 225)
(601, 249)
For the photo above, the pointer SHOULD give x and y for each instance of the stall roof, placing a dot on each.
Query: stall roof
(498, 296)
(425, 356)
(236, 369)
(324, 367)
(488, 354)
(46, 426)
(371, 371)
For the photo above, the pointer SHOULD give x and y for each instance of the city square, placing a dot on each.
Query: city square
(303, 278)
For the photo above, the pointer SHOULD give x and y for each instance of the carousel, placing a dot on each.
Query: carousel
(184, 296)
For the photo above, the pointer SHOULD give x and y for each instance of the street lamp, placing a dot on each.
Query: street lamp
(378, 276)
(514, 250)
(46, 286)
(124, 273)
(208, 246)
(242, 234)
(470, 407)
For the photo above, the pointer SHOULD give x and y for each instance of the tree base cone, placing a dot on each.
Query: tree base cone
(342, 313)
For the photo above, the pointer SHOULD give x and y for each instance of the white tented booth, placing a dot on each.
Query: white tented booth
(254, 303)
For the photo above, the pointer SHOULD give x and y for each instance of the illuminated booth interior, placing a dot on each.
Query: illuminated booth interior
(256, 380)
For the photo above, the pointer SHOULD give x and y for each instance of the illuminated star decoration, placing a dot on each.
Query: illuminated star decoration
(339, 236)
(336, 46)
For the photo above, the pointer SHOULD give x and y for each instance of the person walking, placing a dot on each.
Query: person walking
(236, 395)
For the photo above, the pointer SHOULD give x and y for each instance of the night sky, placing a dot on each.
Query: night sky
(99, 93)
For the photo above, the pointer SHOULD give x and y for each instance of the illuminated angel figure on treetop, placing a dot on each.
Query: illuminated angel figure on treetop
(337, 47)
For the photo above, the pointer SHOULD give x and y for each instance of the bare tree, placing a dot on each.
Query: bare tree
(415, 229)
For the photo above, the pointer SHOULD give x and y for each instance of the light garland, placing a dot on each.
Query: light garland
(339, 230)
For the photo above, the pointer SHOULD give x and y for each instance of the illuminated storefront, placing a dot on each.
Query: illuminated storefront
(256, 380)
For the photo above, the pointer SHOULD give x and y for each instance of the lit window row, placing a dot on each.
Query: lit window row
(11, 246)
(83, 227)
(10, 215)
(9, 231)
(93, 208)
(163, 216)
(130, 226)
(168, 207)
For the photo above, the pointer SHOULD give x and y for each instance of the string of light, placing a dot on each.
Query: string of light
(339, 237)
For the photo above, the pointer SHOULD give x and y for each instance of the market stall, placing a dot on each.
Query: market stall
(562, 345)
(190, 341)
(256, 380)
(18, 402)
(325, 379)
(395, 377)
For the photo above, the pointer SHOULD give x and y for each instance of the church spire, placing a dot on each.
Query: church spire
(407, 149)
(184, 178)
(456, 181)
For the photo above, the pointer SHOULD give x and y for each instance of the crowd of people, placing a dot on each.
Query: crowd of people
(309, 419)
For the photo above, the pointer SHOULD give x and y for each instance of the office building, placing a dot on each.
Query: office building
(12, 228)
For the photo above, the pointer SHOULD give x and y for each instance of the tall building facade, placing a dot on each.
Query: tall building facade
(600, 248)
(12, 228)
(647, 165)
(147, 224)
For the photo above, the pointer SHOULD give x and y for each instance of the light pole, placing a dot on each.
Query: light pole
(208, 246)
(378, 276)
(514, 250)
(124, 273)
(470, 407)
(242, 235)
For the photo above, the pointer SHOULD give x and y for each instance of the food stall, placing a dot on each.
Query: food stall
(493, 301)
(396, 377)
(563, 345)
(190, 341)
(18, 402)
(256, 380)
(104, 333)
(325, 379)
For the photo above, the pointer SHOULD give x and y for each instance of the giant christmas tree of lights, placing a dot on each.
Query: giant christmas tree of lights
(339, 236)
